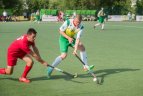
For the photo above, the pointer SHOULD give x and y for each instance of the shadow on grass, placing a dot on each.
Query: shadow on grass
(101, 74)
(41, 78)
(105, 72)
(55, 77)
(10, 78)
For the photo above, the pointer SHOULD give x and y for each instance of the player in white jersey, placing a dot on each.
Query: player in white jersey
(101, 17)
(67, 32)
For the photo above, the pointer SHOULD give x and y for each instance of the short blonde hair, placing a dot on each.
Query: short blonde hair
(79, 17)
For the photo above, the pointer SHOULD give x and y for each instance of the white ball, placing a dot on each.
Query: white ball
(94, 79)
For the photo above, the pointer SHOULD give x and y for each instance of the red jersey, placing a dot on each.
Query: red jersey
(20, 47)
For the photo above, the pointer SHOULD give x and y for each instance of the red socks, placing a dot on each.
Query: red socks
(26, 71)
(2, 71)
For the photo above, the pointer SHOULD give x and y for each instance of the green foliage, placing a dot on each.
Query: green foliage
(48, 12)
(13, 7)
(115, 7)
(9, 11)
(34, 5)
(140, 7)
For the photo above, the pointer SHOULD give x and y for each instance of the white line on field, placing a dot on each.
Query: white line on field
(125, 26)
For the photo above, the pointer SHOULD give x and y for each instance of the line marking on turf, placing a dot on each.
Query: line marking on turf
(126, 26)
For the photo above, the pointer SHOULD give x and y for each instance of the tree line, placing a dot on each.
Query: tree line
(113, 7)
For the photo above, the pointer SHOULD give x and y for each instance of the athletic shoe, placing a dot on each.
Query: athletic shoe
(49, 71)
(86, 68)
(25, 80)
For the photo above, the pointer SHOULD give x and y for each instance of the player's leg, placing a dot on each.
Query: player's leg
(83, 56)
(102, 26)
(102, 23)
(7, 71)
(63, 48)
(11, 62)
(29, 64)
(56, 62)
(96, 25)
(99, 22)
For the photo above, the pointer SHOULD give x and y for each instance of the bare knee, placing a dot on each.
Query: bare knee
(81, 47)
(9, 71)
(30, 62)
(63, 56)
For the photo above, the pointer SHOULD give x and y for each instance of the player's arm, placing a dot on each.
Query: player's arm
(36, 55)
(35, 49)
(62, 29)
(77, 41)
(99, 13)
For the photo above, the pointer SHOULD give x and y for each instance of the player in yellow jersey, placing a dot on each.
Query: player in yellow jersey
(67, 32)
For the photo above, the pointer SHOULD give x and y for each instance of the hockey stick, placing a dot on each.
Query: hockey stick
(90, 71)
(64, 72)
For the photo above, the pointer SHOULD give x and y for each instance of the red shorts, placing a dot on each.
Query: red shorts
(12, 58)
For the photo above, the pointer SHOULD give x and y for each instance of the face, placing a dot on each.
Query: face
(76, 22)
(31, 37)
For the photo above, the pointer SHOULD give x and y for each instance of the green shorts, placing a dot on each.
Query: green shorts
(101, 19)
(38, 18)
(64, 44)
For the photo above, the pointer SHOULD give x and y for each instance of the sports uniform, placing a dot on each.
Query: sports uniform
(18, 49)
(101, 17)
(24, 48)
(69, 28)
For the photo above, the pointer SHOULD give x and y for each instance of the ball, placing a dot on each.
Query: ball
(75, 76)
(94, 79)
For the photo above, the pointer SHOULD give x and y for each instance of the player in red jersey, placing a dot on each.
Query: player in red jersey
(20, 48)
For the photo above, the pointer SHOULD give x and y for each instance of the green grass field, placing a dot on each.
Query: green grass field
(116, 52)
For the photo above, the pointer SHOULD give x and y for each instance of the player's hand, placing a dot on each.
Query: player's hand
(45, 63)
(75, 52)
(70, 40)
(87, 67)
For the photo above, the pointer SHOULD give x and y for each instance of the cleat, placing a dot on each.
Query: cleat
(49, 72)
(91, 67)
(25, 80)
(87, 68)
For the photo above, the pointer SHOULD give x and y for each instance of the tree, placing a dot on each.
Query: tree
(140, 7)
(34, 5)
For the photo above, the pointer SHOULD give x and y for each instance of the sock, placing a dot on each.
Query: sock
(2, 71)
(57, 61)
(26, 71)
(102, 26)
(84, 57)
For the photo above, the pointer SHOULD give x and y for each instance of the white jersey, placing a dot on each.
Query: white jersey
(101, 13)
(70, 29)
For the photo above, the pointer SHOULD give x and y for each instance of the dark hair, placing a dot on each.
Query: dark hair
(31, 31)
